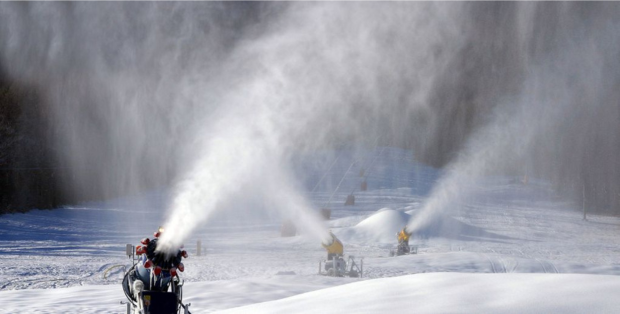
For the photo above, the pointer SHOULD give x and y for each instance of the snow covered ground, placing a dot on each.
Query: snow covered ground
(508, 248)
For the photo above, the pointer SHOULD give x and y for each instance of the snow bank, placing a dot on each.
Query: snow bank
(205, 297)
(381, 227)
(457, 293)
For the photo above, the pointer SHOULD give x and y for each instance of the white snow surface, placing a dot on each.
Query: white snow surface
(507, 248)
(457, 293)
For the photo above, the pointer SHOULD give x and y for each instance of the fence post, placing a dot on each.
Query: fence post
(584, 202)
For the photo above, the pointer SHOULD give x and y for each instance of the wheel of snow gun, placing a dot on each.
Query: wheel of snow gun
(126, 283)
(331, 272)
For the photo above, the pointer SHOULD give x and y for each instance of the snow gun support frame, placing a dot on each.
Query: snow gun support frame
(338, 267)
(141, 301)
(403, 249)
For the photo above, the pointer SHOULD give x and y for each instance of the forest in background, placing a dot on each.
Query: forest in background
(29, 176)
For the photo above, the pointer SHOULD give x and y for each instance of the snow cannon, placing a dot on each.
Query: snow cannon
(404, 235)
(335, 264)
(333, 246)
(403, 244)
(153, 285)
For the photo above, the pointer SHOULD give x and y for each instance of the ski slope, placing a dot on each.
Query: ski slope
(507, 248)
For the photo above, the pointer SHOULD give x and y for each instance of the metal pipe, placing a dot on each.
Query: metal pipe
(362, 268)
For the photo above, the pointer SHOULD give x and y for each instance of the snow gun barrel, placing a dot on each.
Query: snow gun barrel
(407, 231)
(404, 235)
(334, 246)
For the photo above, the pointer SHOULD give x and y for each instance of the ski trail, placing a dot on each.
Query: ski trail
(501, 260)
(542, 265)
(491, 262)
(553, 266)
(514, 268)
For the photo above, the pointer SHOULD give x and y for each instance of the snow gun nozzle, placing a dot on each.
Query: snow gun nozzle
(334, 246)
(159, 231)
(327, 242)
(407, 231)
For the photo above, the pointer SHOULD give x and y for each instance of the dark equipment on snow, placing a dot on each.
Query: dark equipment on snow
(152, 285)
(364, 186)
(403, 249)
(335, 264)
(350, 200)
(326, 213)
(403, 244)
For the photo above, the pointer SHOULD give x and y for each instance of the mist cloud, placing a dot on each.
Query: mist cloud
(213, 97)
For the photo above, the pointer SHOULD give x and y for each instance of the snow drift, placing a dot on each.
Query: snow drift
(382, 226)
(457, 293)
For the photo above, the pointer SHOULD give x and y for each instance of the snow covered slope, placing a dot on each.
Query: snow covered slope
(421, 293)
(457, 293)
(509, 247)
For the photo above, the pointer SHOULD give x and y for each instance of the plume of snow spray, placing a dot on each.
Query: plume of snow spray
(295, 80)
(549, 99)
(218, 95)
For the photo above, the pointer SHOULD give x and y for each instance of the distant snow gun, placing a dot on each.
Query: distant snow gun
(403, 244)
(335, 264)
(153, 285)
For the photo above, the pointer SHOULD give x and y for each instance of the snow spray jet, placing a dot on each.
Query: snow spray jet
(142, 93)
(121, 82)
(565, 86)
(242, 154)
(484, 154)
(130, 85)
(297, 88)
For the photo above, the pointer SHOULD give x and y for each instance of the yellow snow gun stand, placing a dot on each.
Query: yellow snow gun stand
(335, 264)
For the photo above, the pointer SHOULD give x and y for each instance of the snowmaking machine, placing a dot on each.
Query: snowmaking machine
(335, 265)
(153, 285)
(403, 244)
